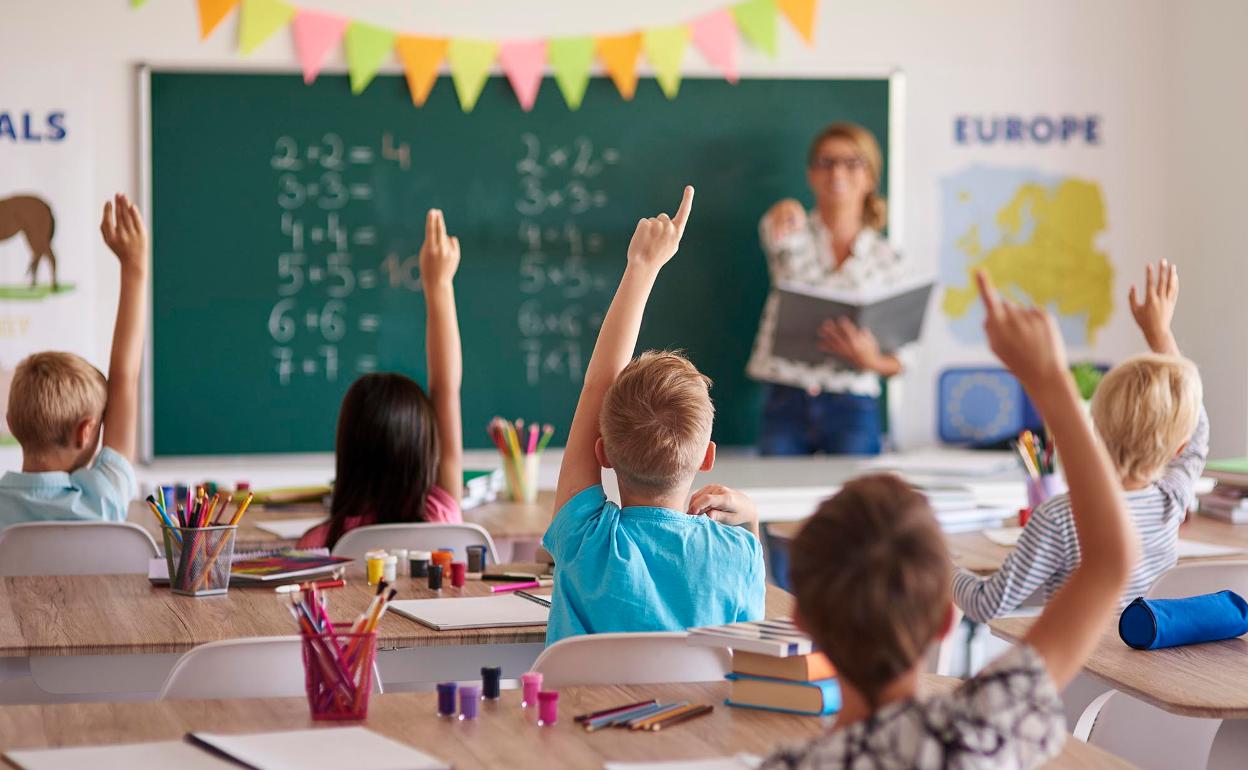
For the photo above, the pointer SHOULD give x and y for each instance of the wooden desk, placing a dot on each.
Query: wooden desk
(504, 520)
(1202, 680)
(502, 737)
(980, 555)
(125, 614)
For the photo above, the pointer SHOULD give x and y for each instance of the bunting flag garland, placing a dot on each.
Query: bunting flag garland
(259, 20)
(211, 12)
(619, 54)
(315, 34)
(757, 20)
(368, 47)
(421, 57)
(523, 62)
(801, 14)
(137, 3)
(571, 58)
(665, 48)
(470, 68)
(715, 35)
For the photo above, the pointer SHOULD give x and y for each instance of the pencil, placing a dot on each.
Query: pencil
(547, 432)
(675, 719)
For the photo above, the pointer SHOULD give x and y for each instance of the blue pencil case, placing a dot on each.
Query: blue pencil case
(1151, 624)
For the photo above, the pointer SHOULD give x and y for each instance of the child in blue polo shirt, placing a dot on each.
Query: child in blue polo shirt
(654, 563)
(60, 405)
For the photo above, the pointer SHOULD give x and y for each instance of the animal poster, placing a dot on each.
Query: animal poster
(49, 225)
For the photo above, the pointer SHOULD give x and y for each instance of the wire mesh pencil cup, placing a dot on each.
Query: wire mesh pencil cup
(338, 673)
(199, 559)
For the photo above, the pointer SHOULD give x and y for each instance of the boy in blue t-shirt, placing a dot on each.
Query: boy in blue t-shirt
(654, 564)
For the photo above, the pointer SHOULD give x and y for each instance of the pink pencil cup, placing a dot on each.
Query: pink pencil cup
(338, 674)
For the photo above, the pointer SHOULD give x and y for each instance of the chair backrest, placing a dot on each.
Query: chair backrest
(75, 548)
(1202, 577)
(419, 536)
(258, 667)
(642, 658)
(1144, 735)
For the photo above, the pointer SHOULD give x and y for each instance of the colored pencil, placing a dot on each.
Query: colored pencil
(611, 711)
(675, 719)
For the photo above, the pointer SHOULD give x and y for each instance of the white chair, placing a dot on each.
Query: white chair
(1230, 746)
(1146, 735)
(259, 667)
(75, 548)
(417, 536)
(642, 658)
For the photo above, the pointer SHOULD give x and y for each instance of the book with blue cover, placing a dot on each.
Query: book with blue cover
(821, 697)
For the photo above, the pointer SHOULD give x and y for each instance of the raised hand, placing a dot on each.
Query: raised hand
(439, 254)
(125, 233)
(1026, 340)
(1153, 309)
(784, 219)
(656, 239)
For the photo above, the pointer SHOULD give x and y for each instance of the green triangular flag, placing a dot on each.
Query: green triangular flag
(757, 21)
(665, 48)
(368, 47)
(571, 58)
(259, 20)
(470, 62)
(137, 3)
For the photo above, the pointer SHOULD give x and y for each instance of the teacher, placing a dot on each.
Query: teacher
(833, 406)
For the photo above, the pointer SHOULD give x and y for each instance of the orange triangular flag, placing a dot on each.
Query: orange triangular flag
(619, 56)
(801, 14)
(211, 12)
(421, 57)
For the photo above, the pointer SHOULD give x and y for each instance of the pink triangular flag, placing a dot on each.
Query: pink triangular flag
(315, 34)
(715, 35)
(523, 62)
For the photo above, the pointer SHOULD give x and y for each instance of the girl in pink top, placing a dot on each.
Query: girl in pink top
(399, 451)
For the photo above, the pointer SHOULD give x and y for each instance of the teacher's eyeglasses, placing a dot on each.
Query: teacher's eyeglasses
(829, 163)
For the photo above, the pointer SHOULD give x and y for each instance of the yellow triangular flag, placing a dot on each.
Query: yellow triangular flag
(665, 48)
(421, 57)
(619, 57)
(470, 68)
(801, 14)
(259, 20)
(211, 12)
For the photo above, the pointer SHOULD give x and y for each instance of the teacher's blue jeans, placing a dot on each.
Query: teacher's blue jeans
(797, 423)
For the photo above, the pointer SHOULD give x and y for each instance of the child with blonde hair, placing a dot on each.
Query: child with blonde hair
(1148, 413)
(653, 563)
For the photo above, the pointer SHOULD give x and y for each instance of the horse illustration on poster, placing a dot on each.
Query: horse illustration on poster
(32, 217)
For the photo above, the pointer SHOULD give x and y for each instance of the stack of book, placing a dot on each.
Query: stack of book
(1229, 499)
(481, 487)
(774, 667)
(957, 510)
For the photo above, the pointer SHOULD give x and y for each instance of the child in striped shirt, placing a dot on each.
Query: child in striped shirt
(1148, 413)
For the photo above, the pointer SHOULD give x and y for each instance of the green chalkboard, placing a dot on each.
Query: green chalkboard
(287, 218)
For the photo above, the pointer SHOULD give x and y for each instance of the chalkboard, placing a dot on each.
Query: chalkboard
(286, 221)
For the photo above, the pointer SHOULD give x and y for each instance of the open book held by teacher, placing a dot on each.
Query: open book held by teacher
(893, 315)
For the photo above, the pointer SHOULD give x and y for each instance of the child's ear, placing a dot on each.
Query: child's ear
(1179, 451)
(600, 452)
(84, 432)
(708, 459)
(952, 616)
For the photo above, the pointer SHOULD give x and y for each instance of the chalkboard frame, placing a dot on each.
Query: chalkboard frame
(894, 163)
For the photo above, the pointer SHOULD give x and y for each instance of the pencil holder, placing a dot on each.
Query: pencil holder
(338, 674)
(199, 559)
(1041, 489)
(526, 477)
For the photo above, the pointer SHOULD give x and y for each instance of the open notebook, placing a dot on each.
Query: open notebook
(323, 749)
(473, 612)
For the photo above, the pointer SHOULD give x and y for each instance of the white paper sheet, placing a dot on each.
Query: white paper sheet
(289, 529)
(739, 762)
(473, 612)
(168, 754)
(1193, 549)
(325, 749)
(1006, 536)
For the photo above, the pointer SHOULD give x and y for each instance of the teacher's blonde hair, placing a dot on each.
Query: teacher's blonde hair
(874, 208)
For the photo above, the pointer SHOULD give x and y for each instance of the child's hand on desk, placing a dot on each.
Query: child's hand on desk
(125, 234)
(439, 254)
(1153, 309)
(656, 239)
(723, 504)
(1026, 340)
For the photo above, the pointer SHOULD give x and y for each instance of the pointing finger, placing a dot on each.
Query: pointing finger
(686, 206)
(988, 293)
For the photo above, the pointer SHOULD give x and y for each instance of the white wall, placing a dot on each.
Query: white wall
(1164, 77)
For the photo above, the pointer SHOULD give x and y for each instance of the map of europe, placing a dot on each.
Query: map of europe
(1036, 234)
